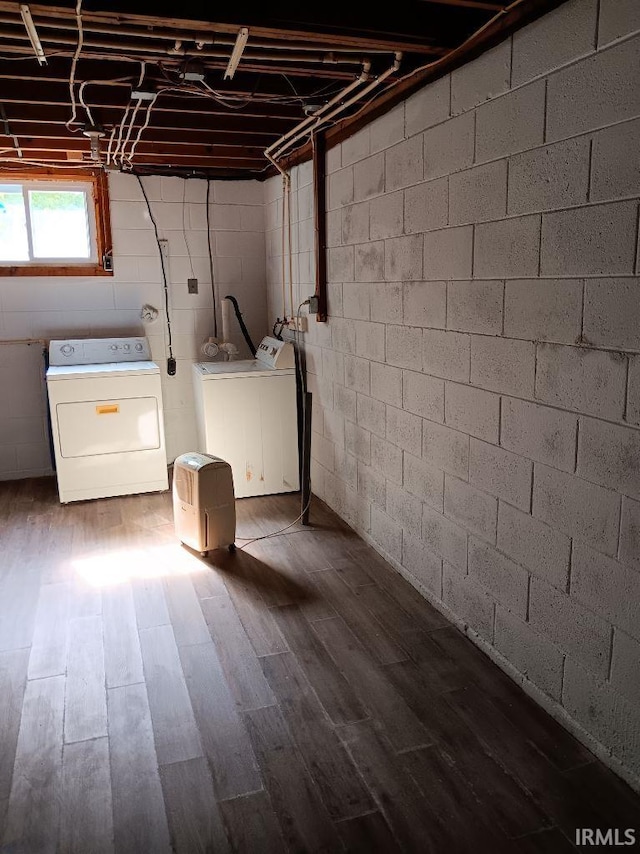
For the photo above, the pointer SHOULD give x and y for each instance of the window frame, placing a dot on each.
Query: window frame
(99, 232)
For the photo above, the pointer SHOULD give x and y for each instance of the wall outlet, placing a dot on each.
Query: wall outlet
(298, 323)
(192, 286)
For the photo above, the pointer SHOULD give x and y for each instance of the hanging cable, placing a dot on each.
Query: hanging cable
(243, 328)
(74, 63)
(213, 285)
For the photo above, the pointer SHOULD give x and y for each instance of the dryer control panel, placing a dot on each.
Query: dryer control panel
(98, 351)
(276, 354)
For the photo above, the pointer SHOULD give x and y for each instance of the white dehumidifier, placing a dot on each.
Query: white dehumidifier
(204, 509)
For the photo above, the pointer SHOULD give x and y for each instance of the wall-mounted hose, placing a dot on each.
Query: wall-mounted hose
(243, 328)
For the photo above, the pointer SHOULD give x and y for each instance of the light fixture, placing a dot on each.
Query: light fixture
(27, 20)
(95, 134)
(236, 54)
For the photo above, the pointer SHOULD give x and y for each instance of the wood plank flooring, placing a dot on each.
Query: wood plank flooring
(298, 696)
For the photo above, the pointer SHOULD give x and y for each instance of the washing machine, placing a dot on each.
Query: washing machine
(247, 414)
(105, 401)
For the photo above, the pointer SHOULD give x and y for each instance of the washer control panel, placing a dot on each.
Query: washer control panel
(275, 353)
(98, 351)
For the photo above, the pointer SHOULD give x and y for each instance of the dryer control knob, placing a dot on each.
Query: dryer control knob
(126, 347)
(139, 347)
(67, 349)
(113, 346)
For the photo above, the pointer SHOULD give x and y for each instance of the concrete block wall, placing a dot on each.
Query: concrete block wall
(477, 386)
(60, 307)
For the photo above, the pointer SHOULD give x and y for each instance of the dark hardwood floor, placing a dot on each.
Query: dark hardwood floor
(296, 696)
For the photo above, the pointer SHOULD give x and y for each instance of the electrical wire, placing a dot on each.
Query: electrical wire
(74, 64)
(142, 128)
(213, 285)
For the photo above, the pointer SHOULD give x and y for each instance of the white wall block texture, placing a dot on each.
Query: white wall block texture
(478, 194)
(577, 507)
(548, 178)
(386, 302)
(506, 581)
(448, 253)
(592, 241)
(387, 458)
(475, 306)
(617, 19)
(544, 309)
(511, 123)
(449, 147)
(507, 248)
(606, 587)
(539, 432)
(615, 162)
(625, 666)
(503, 364)
(444, 537)
(343, 399)
(368, 177)
(356, 147)
(610, 455)
(370, 340)
(340, 263)
(563, 35)
(633, 392)
(539, 547)
(423, 481)
(446, 354)
(472, 411)
(386, 532)
(482, 79)
(404, 509)
(403, 258)
(576, 630)
(343, 335)
(579, 378)
(612, 312)
(387, 215)
(428, 107)
(404, 347)
(370, 414)
(422, 563)
(446, 449)
(468, 600)
(340, 188)
(540, 661)
(404, 164)
(386, 383)
(369, 262)
(388, 130)
(372, 485)
(600, 90)
(423, 395)
(357, 441)
(475, 510)
(404, 430)
(356, 300)
(426, 206)
(425, 304)
(355, 223)
(630, 533)
(501, 473)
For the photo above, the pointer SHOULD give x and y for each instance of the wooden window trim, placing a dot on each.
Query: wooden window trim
(104, 247)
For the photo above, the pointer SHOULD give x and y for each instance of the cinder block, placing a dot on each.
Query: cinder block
(357, 442)
(387, 459)
(606, 587)
(449, 147)
(340, 264)
(425, 304)
(599, 240)
(630, 533)
(422, 563)
(404, 430)
(426, 206)
(506, 581)
(404, 509)
(466, 599)
(615, 163)
(404, 347)
(625, 666)
(356, 300)
(539, 432)
(403, 258)
(446, 354)
(612, 312)
(507, 248)
(386, 533)
(355, 223)
(423, 481)
(444, 537)
(356, 147)
(334, 300)
(618, 18)
(445, 448)
(345, 467)
(501, 473)
(386, 302)
(537, 546)
(334, 161)
(503, 364)
(334, 229)
(356, 374)
(372, 485)
(386, 383)
(475, 306)
(340, 188)
(428, 107)
(600, 90)
(475, 510)
(481, 79)
(343, 335)
(610, 455)
(404, 164)
(388, 129)
(387, 216)
(577, 507)
(344, 401)
(537, 659)
(577, 631)
(333, 366)
(368, 177)
(333, 427)
(472, 411)
(369, 261)
(591, 381)
(511, 123)
(370, 340)
(448, 253)
(423, 395)
(478, 194)
(322, 450)
(543, 309)
(633, 392)
(553, 40)
(556, 176)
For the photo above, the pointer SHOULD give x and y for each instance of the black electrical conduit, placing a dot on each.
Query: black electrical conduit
(243, 328)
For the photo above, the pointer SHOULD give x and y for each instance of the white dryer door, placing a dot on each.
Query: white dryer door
(94, 427)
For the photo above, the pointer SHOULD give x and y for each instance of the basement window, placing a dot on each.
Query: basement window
(56, 225)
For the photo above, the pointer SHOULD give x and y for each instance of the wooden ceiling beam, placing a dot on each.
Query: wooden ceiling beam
(170, 136)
